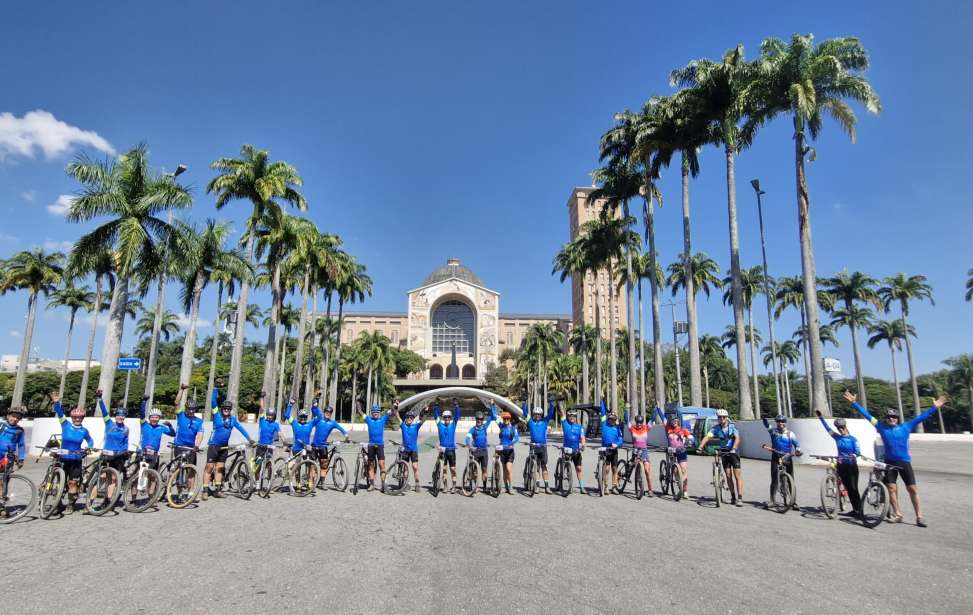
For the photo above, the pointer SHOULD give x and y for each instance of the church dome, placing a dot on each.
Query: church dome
(453, 269)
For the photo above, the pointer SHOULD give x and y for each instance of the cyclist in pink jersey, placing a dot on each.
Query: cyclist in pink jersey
(640, 442)
(679, 438)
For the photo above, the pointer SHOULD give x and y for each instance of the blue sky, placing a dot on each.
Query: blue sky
(435, 129)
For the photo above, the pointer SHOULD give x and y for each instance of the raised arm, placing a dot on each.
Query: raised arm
(142, 409)
(767, 424)
(436, 412)
(179, 395)
(58, 410)
(550, 412)
(287, 413)
(914, 422)
(104, 409)
(827, 427)
(240, 428)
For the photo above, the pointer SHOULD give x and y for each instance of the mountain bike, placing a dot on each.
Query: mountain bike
(532, 468)
(54, 483)
(833, 493)
(875, 497)
(564, 471)
(631, 468)
(238, 475)
(263, 469)
(670, 475)
(721, 485)
(144, 485)
(361, 467)
(397, 476)
(302, 473)
(471, 473)
(101, 483)
(603, 472)
(18, 494)
(783, 498)
(183, 485)
(495, 480)
(336, 467)
(440, 473)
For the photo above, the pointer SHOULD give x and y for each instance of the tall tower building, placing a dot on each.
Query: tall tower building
(585, 290)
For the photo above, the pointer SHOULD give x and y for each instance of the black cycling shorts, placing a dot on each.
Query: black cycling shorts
(412, 456)
(73, 468)
(186, 453)
(450, 456)
(321, 453)
(611, 455)
(900, 468)
(118, 462)
(216, 454)
(152, 459)
(376, 451)
(540, 454)
(507, 455)
(575, 458)
(480, 455)
(731, 460)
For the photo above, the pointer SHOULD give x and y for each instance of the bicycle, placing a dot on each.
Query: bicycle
(397, 477)
(144, 485)
(336, 467)
(564, 471)
(101, 483)
(720, 483)
(183, 484)
(670, 475)
(18, 494)
(54, 483)
(833, 493)
(632, 469)
(471, 473)
(531, 468)
(302, 476)
(238, 473)
(783, 499)
(263, 469)
(603, 471)
(439, 473)
(496, 472)
(875, 498)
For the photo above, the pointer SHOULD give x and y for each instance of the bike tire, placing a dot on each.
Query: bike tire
(718, 478)
(52, 492)
(20, 499)
(785, 493)
(265, 483)
(530, 479)
(437, 477)
(359, 470)
(470, 479)
(638, 481)
(138, 499)
(178, 493)
(303, 478)
(397, 478)
(280, 475)
(675, 481)
(600, 478)
(875, 504)
(664, 477)
(339, 473)
(567, 479)
(495, 479)
(242, 480)
(830, 496)
(100, 487)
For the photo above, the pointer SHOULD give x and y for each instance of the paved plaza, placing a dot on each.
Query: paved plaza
(370, 553)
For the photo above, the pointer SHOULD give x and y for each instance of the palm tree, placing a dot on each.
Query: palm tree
(353, 285)
(849, 288)
(101, 265)
(581, 339)
(790, 293)
(721, 90)
(129, 192)
(751, 285)
(169, 324)
(807, 81)
(787, 353)
(38, 273)
(961, 375)
(287, 318)
(205, 258)
(571, 261)
(74, 298)
(902, 289)
(703, 269)
(541, 342)
(969, 285)
(252, 177)
(375, 353)
(710, 350)
(892, 332)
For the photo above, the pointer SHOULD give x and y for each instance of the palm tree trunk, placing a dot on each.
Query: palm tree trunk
(736, 288)
(585, 391)
(299, 351)
(354, 395)
(629, 318)
(859, 379)
(753, 366)
(706, 380)
(281, 370)
(67, 355)
(113, 337)
(816, 392)
(895, 381)
(598, 390)
(189, 349)
(641, 352)
(613, 325)
(337, 352)
(695, 391)
(214, 347)
(18, 393)
(309, 376)
(368, 390)
(160, 304)
(270, 360)
(326, 367)
(912, 372)
(804, 346)
(648, 214)
(236, 358)
(91, 342)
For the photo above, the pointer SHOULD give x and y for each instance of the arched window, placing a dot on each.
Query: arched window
(469, 372)
(453, 326)
(436, 372)
(452, 371)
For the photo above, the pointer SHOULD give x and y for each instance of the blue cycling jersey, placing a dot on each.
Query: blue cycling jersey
(116, 434)
(478, 433)
(71, 436)
(301, 431)
(323, 431)
(538, 428)
(848, 449)
(186, 429)
(895, 439)
(267, 431)
(783, 441)
(572, 434)
(508, 435)
(376, 429)
(410, 435)
(12, 439)
(728, 437)
(223, 427)
(447, 431)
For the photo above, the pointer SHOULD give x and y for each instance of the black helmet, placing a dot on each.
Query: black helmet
(781, 418)
(891, 414)
(227, 406)
(410, 415)
(639, 419)
(16, 410)
(478, 416)
(191, 405)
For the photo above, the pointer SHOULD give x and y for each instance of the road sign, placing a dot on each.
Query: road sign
(129, 363)
(832, 365)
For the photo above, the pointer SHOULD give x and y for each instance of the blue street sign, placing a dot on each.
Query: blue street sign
(129, 363)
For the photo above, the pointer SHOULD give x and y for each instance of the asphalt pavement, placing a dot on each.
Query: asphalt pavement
(418, 553)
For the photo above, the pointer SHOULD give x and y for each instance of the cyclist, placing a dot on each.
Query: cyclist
(509, 435)
(678, 437)
(376, 443)
(539, 426)
(848, 452)
(446, 425)
(410, 442)
(73, 433)
(267, 426)
(640, 442)
(12, 438)
(729, 442)
(224, 422)
(476, 439)
(574, 439)
(303, 427)
(612, 438)
(895, 439)
(783, 440)
(189, 431)
(152, 430)
(116, 435)
(322, 432)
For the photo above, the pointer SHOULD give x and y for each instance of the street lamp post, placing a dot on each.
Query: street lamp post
(677, 328)
(770, 317)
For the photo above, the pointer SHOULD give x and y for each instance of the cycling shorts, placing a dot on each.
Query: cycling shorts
(575, 458)
(731, 460)
(376, 451)
(118, 462)
(321, 453)
(412, 456)
(611, 455)
(682, 456)
(450, 456)
(900, 468)
(150, 458)
(186, 452)
(216, 454)
(73, 468)
(643, 454)
(540, 454)
(507, 455)
(480, 455)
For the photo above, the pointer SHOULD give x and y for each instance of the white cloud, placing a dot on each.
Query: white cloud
(28, 195)
(61, 205)
(14, 333)
(52, 245)
(5, 238)
(183, 321)
(40, 130)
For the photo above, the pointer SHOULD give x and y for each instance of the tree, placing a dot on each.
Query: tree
(751, 285)
(542, 342)
(961, 375)
(807, 81)
(721, 90)
(265, 184)
(847, 289)
(133, 196)
(969, 285)
(572, 261)
(352, 286)
(703, 269)
(581, 340)
(710, 350)
(892, 332)
(74, 298)
(903, 289)
(101, 265)
(145, 325)
(787, 353)
(38, 273)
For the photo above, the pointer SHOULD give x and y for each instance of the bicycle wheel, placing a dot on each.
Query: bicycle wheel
(397, 478)
(470, 479)
(675, 481)
(665, 470)
(20, 498)
(279, 475)
(183, 486)
(242, 480)
(495, 479)
(303, 478)
(339, 473)
(530, 479)
(265, 481)
(142, 490)
(600, 478)
(830, 494)
(567, 479)
(52, 490)
(875, 504)
(359, 470)
(437, 477)
(103, 492)
(785, 493)
(638, 481)
(718, 479)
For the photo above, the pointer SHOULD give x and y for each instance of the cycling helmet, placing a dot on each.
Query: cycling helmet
(721, 412)
(121, 411)
(155, 412)
(505, 416)
(410, 415)
(226, 406)
(191, 405)
(891, 414)
(478, 416)
(639, 419)
(77, 411)
(376, 409)
(840, 423)
(537, 411)
(302, 414)
(328, 410)
(447, 414)
(573, 413)
(673, 419)
(271, 412)
(781, 418)
(16, 411)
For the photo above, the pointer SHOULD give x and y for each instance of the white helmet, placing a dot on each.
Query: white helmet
(447, 413)
(155, 412)
(721, 412)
